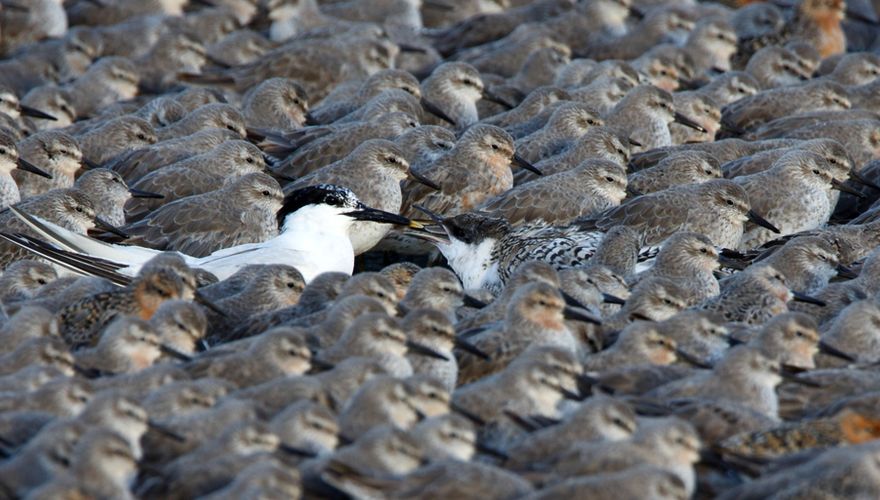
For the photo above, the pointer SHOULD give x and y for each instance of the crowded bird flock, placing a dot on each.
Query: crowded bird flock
(603, 249)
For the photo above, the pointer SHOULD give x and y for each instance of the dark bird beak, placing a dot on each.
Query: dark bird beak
(320, 364)
(833, 351)
(521, 162)
(310, 119)
(174, 353)
(492, 97)
(492, 452)
(106, 226)
(89, 164)
(137, 193)
(376, 215)
(862, 180)
(278, 176)
(692, 360)
(471, 301)
(296, 452)
(36, 113)
(845, 272)
(633, 142)
(423, 180)
(570, 395)
(165, 431)
(201, 299)
(757, 219)
(436, 111)
(790, 374)
(611, 299)
(421, 350)
(802, 297)
(27, 166)
(577, 314)
(466, 346)
(438, 4)
(405, 47)
(836, 184)
(687, 122)
(573, 302)
(479, 422)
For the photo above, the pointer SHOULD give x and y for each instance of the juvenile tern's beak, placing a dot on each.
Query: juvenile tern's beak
(757, 219)
(27, 166)
(521, 162)
(687, 122)
(36, 113)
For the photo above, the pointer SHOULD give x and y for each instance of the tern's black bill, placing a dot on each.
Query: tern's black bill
(110, 228)
(836, 184)
(27, 166)
(521, 162)
(436, 111)
(802, 297)
(36, 113)
(375, 215)
(466, 346)
(421, 350)
(687, 122)
(757, 219)
(833, 351)
(137, 193)
(424, 180)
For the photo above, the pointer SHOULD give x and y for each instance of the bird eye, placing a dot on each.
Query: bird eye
(142, 137)
(79, 209)
(729, 202)
(667, 302)
(249, 159)
(609, 179)
(291, 284)
(230, 127)
(41, 281)
(2, 151)
(266, 193)
(704, 251)
(815, 171)
(495, 147)
(798, 333)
